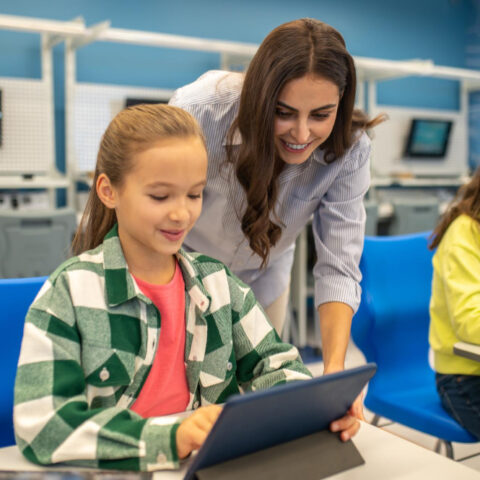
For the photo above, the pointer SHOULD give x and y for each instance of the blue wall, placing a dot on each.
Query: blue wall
(426, 29)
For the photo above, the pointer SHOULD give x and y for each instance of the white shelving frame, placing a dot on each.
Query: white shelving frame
(102, 32)
(369, 72)
(51, 33)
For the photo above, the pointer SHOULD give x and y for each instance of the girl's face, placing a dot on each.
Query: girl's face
(160, 199)
(304, 117)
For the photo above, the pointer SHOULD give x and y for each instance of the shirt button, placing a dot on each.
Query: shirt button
(161, 458)
(229, 366)
(196, 404)
(104, 374)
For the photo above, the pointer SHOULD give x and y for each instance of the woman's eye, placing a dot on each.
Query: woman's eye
(320, 116)
(195, 197)
(283, 113)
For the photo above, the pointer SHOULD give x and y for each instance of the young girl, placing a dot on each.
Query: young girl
(455, 305)
(133, 328)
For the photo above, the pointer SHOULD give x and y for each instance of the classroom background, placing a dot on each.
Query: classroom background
(418, 61)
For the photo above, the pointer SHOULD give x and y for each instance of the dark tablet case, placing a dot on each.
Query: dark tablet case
(259, 420)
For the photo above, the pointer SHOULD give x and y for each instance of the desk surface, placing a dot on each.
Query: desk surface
(385, 454)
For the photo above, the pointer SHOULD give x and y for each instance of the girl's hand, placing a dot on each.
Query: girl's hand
(193, 431)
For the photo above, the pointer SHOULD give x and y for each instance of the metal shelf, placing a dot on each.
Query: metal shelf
(418, 182)
(37, 182)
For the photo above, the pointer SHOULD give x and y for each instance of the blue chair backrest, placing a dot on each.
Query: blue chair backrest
(16, 296)
(391, 326)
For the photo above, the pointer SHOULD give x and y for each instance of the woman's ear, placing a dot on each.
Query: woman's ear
(105, 191)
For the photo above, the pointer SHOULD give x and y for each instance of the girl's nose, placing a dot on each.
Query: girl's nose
(179, 214)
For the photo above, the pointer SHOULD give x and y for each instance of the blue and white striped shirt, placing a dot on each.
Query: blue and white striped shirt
(331, 193)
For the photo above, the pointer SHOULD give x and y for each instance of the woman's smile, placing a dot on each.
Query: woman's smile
(295, 147)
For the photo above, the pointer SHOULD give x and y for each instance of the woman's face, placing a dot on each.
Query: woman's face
(304, 117)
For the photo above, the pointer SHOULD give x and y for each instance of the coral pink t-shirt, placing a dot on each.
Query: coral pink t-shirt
(166, 389)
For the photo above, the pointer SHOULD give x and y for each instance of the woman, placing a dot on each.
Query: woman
(285, 145)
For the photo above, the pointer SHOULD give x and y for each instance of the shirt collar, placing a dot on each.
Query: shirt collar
(121, 287)
(319, 156)
(192, 277)
(236, 140)
(119, 284)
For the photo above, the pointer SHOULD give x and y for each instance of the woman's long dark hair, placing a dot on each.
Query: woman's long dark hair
(290, 51)
(466, 202)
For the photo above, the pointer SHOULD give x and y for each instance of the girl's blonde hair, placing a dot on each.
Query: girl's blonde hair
(132, 131)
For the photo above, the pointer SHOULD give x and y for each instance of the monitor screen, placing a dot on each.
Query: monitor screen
(428, 138)
(130, 101)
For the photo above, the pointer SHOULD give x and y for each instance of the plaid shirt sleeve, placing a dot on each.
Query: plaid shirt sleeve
(53, 419)
(262, 359)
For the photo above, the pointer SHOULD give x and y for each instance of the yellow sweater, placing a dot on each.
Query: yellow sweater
(455, 302)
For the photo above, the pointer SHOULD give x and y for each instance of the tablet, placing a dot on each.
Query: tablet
(258, 420)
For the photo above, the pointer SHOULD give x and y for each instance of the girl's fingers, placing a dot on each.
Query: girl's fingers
(193, 431)
(196, 437)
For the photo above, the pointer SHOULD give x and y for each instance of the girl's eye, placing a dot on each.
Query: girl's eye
(195, 197)
(158, 198)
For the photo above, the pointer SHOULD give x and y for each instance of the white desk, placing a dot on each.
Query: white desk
(385, 455)
(467, 350)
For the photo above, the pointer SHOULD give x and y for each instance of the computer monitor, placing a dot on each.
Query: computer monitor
(428, 138)
(130, 101)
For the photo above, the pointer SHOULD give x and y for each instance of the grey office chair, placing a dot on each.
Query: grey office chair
(33, 243)
(414, 214)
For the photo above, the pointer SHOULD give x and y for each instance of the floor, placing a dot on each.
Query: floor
(468, 454)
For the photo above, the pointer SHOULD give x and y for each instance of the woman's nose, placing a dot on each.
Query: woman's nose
(301, 131)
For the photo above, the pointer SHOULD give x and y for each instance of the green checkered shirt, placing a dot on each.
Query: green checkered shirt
(89, 342)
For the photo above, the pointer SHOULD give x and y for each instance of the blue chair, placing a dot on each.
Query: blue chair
(16, 295)
(391, 329)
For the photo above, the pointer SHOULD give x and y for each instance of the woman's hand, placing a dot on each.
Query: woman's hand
(193, 431)
(356, 409)
(349, 424)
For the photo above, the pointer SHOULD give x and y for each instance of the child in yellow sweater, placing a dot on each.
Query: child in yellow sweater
(455, 305)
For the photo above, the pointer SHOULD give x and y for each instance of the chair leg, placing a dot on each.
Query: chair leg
(376, 419)
(448, 447)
